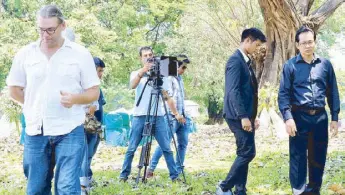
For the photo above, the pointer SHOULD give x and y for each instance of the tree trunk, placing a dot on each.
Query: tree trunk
(215, 112)
(258, 61)
(282, 19)
(281, 23)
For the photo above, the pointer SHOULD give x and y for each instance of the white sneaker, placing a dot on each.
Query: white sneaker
(220, 191)
(85, 190)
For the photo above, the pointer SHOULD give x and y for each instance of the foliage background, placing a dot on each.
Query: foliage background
(207, 31)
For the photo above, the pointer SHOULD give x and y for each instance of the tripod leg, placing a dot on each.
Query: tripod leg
(145, 138)
(148, 132)
(140, 166)
(147, 158)
(151, 134)
(145, 151)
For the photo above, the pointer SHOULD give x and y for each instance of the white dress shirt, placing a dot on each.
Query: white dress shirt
(246, 58)
(71, 69)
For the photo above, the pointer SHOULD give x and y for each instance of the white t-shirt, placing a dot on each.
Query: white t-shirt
(141, 110)
(71, 69)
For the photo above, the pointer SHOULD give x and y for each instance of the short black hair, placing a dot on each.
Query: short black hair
(183, 58)
(304, 29)
(98, 62)
(254, 34)
(145, 48)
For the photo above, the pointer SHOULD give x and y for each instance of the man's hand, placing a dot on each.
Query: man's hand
(246, 124)
(334, 128)
(146, 68)
(257, 124)
(141, 72)
(92, 110)
(67, 99)
(291, 127)
(17, 94)
(180, 118)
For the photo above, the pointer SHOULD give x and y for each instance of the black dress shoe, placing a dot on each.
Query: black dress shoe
(240, 193)
(123, 179)
(310, 193)
(311, 190)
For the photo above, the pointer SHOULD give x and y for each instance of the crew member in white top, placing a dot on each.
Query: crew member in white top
(53, 78)
(137, 81)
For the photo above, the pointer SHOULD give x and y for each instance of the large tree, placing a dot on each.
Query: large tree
(282, 19)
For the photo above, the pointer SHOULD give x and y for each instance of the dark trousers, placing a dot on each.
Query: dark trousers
(309, 144)
(238, 173)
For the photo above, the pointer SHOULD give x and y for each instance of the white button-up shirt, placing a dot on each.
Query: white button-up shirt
(71, 69)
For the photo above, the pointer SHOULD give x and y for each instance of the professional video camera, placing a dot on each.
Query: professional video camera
(163, 66)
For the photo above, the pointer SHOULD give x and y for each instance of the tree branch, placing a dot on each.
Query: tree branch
(158, 23)
(234, 16)
(4, 5)
(218, 23)
(319, 16)
(303, 6)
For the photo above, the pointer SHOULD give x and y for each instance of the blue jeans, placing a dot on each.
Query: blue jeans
(246, 151)
(92, 142)
(162, 137)
(41, 153)
(182, 132)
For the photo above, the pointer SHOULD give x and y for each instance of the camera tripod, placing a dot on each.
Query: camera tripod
(150, 127)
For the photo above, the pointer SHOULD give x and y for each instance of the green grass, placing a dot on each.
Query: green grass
(211, 152)
(268, 174)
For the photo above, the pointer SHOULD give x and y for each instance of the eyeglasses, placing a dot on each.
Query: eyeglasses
(307, 43)
(184, 67)
(49, 31)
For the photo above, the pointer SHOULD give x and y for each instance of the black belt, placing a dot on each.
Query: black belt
(310, 111)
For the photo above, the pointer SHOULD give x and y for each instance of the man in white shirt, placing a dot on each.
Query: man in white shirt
(137, 81)
(53, 78)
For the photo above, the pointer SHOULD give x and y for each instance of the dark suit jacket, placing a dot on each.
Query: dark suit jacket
(241, 89)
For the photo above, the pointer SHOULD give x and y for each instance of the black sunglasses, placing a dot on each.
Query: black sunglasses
(186, 61)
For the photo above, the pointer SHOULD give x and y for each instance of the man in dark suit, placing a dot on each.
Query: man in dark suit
(240, 109)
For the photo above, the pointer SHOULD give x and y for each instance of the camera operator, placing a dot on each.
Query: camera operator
(137, 81)
(180, 128)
